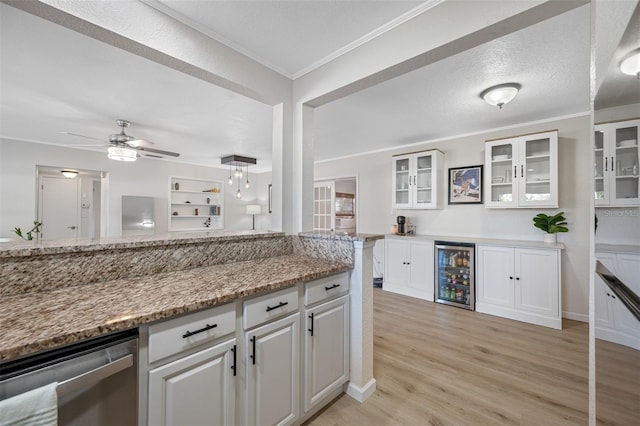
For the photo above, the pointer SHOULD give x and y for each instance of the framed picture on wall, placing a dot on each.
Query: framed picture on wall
(465, 185)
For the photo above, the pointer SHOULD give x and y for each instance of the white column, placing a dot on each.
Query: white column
(362, 384)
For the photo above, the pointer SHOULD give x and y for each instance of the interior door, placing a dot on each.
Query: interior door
(59, 207)
(324, 209)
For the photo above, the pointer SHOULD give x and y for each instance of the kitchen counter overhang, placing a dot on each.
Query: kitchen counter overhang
(38, 321)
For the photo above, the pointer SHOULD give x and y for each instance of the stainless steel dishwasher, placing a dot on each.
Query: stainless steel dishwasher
(97, 379)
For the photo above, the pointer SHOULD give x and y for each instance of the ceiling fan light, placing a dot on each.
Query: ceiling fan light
(69, 173)
(631, 64)
(501, 94)
(120, 153)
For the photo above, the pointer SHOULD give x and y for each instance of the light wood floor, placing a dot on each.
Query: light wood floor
(617, 384)
(440, 365)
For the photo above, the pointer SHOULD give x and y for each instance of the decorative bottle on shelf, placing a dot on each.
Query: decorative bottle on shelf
(176, 186)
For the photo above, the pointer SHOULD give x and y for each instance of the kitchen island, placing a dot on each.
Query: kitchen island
(57, 294)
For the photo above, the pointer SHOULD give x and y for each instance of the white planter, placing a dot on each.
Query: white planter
(550, 238)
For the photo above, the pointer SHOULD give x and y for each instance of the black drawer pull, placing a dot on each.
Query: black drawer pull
(331, 287)
(280, 305)
(191, 333)
(311, 329)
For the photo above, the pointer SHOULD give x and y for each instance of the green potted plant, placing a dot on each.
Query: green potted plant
(551, 225)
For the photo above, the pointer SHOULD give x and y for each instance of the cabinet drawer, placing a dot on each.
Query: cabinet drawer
(273, 305)
(177, 335)
(325, 288)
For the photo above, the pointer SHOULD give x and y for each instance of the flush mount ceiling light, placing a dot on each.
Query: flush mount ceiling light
(501, 94)
(121, 153)
(631, 64)
(238, 161)
(69, 173)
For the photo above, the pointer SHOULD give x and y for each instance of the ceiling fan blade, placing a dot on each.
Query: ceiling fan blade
(157, 151)
(83, 136)
(134, 143)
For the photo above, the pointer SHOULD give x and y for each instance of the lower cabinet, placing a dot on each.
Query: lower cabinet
(273, 372)
(409, 266)
(613, 321)
(197, 389)
(520, 283)
(326, 348)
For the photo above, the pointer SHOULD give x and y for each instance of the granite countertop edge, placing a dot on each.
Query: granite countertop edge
(36, 322)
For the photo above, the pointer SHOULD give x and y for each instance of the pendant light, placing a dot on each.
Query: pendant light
(239, 162)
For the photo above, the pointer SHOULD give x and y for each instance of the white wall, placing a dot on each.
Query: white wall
(376, 215)
(145, 177)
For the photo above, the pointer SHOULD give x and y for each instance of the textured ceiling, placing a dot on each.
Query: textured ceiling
(69, 82)
(287, 36)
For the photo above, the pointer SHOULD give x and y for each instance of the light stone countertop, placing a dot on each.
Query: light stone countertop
(487, 241)
(618, 248)
(39, 321)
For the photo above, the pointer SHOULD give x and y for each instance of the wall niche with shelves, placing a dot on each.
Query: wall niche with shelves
(195, 204)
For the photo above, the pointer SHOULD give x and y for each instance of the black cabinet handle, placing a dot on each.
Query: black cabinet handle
(605, 163)
(515, 172)
(331, 287)
(311, 329)
(612, 168)
(521, 170)
(233, 366)
(518, 278)
(510, 278)
(280, 305)
(253, 350)
(191, 333)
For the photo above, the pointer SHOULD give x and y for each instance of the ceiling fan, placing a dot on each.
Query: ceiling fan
(124, 147)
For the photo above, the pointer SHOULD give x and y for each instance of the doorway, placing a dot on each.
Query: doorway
(69, 207)
(335, 205)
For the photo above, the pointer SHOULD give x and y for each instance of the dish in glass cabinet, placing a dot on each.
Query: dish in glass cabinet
(628, 142)
(501, 157)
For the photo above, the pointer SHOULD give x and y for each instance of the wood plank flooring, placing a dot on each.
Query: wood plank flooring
(440, 365)
(617, 384)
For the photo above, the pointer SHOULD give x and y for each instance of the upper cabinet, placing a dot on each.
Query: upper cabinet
(417, 180)
(195, 204)
(522, 171)
(616, 164)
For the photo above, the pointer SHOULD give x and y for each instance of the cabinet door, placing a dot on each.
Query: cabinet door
(273, 372)
(628, 266)
(395, 263)
(421, 268)
(501, 173)
(623, 161)
(601, 166)
(424, 192)
(195, 390)
(402, 182)
(496, 276)
(326, 350)
(536, 275)
(538, 170)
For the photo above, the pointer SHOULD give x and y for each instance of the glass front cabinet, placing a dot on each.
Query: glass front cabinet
(417, 180)
(616, 164)
(522, 171)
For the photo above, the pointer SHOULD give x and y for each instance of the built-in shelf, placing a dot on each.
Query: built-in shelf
(186, 195)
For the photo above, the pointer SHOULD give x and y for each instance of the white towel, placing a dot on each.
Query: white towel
(36, 407)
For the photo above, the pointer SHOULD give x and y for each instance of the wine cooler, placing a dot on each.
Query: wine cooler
(455, 274)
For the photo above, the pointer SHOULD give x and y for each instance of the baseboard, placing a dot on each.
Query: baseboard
(574, 316)
(361, 394)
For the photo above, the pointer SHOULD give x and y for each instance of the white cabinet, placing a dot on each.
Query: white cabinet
(195, 204)
(522, 171)
(193, 370)
(273, 372)
(196, 389)
(409, 266)
(417, 180)
(614, 322)
(326, 341)
(520, 283)
(616, 164)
